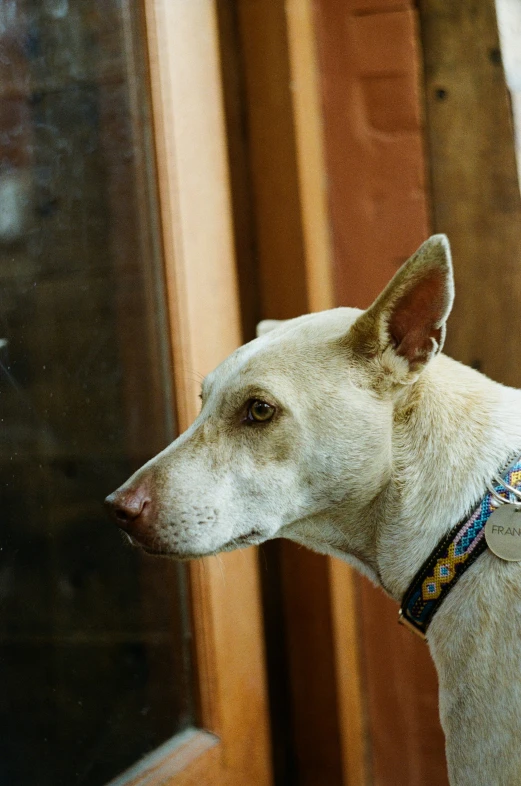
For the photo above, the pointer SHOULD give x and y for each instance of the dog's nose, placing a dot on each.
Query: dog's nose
(126, 506)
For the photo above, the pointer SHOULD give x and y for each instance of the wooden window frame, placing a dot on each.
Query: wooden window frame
(231, 742)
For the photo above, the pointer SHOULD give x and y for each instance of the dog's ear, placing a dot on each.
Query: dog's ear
(268, 324)
(405, 326)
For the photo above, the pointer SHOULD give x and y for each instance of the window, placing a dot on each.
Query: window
(94, 637)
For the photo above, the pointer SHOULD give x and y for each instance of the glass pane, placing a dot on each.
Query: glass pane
(94, 636)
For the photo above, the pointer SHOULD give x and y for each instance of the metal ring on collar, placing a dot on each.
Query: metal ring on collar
(516, 492)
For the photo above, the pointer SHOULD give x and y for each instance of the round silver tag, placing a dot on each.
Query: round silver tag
(503, 532)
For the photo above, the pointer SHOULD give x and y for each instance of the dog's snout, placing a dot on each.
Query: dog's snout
(126, 506)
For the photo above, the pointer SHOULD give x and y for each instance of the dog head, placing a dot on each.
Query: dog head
(293, 424)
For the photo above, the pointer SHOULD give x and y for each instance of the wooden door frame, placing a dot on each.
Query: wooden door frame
(230, 745)
(339, 602)
(279, 181)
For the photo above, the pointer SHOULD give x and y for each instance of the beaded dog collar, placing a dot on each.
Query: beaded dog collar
(454, 554)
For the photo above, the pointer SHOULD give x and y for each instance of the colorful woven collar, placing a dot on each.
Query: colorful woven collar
(450, 559)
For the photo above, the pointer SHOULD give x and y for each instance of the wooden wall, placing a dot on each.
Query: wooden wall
(370, 63)
(279, 216)
(475, 187)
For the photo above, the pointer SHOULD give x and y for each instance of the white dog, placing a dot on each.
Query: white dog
(347, 431)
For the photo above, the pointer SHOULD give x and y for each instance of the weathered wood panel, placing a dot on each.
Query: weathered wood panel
(475, 190)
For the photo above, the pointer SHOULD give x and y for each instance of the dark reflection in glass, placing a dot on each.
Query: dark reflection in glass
(94, 636)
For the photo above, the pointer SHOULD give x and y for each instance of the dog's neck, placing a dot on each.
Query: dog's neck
(453, 430)
(474, 636)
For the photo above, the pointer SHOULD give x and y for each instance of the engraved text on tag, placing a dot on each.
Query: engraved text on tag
(503, 532)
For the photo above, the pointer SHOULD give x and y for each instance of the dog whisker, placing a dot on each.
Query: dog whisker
(221, 567)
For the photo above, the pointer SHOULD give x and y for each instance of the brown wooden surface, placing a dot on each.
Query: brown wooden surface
(475, 189)
(350, 683)
(203, 298)
(272, 158)
(188, 759)
(237, 129)
(313, 192)
(232, 69)
(276, 158)
(309, 139)
(371, 87)
(307, 660)
(369, 64)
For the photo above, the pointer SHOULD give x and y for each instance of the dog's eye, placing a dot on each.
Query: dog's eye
(260, 411)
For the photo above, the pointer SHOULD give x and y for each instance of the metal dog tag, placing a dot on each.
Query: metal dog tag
(503, 532)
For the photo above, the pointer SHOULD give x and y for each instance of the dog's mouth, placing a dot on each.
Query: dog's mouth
(252, 538)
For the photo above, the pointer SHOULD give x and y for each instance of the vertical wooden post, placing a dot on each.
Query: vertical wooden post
(307, 114)
(189, 134)
(475, 188)
(282, 126)
(311, 165)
